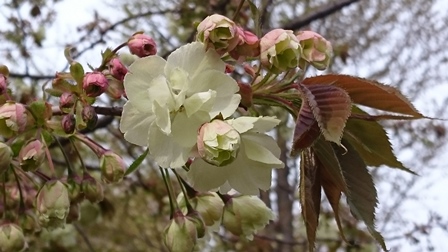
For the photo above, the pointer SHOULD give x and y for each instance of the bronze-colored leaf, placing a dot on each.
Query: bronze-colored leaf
(306, 130)
(361, 194)
(325, 153)
(331, 106)
(368, 93)
(371, 142)
(332, 192)
(310, 195)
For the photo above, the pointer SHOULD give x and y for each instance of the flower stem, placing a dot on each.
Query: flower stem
(184, 191)
(174, 207)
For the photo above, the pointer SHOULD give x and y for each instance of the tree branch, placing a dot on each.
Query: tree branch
(320, 13)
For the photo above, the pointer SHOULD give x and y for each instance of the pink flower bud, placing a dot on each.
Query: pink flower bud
(68, 123)
(67, 101)
(142, 45)
(94, 84)
(279, 50)
(112, 167)
(3, 84)
(117, 69)
(32, 155)
(12, 119)
(316, 50)
(89, 116)
(11, 237)
(248, 45)
(218, 32)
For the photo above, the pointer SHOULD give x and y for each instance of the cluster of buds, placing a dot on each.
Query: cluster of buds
(280, 50)
(241, 215)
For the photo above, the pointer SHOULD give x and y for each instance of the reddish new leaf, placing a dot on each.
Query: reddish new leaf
(310, 195)
(306, 130)
(331, 106)
(368, 93)
(361, 194)
(333, 193)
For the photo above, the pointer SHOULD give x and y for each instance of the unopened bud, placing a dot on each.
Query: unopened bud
(32, 155)
(181, 234)
(279, 50)
(117, 69)
(248, 45)
(218, 143)
(244, 215)
(5, 157)
(52, 204)
(68, 123)
(218, 32)
(12, 119)
(112, 167)
(92, 188)
(94, 84)
(89, 116)
(66, 102)
(208, 205)
(316, 50)
(142, 45)
(11, 238)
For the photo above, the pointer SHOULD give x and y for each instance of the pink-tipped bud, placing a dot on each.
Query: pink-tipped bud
(248, 45)
(117, 69)
(12, 119)
(142, 45)
(68, 123)
(11, 238)
(3, 84)
(89, 116)
(279, 50)
(66, 102)
(316, 50)
(94, 84)
(32, 155)
(218, 32)
(112, 167)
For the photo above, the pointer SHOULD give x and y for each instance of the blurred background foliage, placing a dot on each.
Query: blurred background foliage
(401, 43)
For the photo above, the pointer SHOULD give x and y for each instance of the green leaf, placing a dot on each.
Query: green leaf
(310, 195)
(77, 72)
(41, 111)
(136, 163)
(331, 107)
(306, 130)
(368, 93)
(361, 194)
(371, 142)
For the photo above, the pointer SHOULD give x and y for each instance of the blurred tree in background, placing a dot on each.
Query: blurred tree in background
(396, 42)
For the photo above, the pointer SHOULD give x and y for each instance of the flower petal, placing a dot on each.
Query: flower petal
(163, 119)
(135, 124)
(166, 152)
(139, 77)
(262, 148)
(185, 129)
(194, 60)
(200, 101)
(205, 177)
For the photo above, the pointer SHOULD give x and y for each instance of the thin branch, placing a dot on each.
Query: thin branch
(320, 13)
